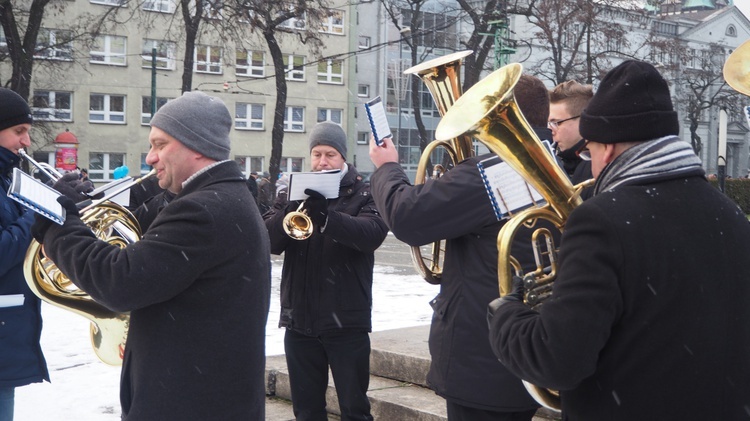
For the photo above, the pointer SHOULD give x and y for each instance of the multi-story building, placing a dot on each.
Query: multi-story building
(100, 90)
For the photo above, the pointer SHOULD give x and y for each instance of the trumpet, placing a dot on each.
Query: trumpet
(297, 224)
(110, 222)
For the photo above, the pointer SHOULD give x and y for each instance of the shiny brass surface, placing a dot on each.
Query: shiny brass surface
(297, 224)
(737, 69)
(442, 76)
(114, 224)
(488, 112)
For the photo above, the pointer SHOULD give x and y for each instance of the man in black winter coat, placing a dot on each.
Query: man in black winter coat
(649, 313)
(456, 207)
(326, 285)
(197, 285)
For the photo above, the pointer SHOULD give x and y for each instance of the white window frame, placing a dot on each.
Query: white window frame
(333, 24)
(107, 44)
(249, 164)
(249, 121)
(297, 122)
(364, 41)
(52, 112)
(108, 115)
(165, 54)
(106, 173)
(3, 41)
(212, 12)
(208, 66)
(161, 6)
(294, 73)
(363, 138)
(295, 23)
(51, 49)
(251, 67)
(363, 91)
(334, 115)
(289, 162)
(109, 2)
(328, 75)
(146, 103)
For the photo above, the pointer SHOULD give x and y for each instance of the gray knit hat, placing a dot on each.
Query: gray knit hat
(14, 110)
(330, 134)
(198, 121)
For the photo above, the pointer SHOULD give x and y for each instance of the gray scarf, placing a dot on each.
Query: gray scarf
(658, 159)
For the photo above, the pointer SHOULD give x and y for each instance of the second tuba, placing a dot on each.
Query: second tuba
(442, 76)
(488, 112)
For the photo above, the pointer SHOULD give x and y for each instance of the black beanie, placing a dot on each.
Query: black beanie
(14, 110)
(632, 104)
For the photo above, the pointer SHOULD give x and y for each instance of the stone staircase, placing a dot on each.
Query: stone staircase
(399, 361)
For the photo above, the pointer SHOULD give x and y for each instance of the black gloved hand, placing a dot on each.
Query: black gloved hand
(42, 224)
(69, 185)
(515, 295)
(317, 208)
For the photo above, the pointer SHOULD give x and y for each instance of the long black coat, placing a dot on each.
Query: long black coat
(326, 282)
(456, 207)
(649, 318)
(21, 358)
(198, 289)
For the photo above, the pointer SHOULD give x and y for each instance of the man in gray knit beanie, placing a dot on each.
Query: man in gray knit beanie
(330, 134)
(198, 121)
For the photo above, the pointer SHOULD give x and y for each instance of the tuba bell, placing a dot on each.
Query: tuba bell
(488, 112)
(112, 223)
(442, 76)
(737, 69)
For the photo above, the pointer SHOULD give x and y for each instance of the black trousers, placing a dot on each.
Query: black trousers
(458, 412)
(308, 359)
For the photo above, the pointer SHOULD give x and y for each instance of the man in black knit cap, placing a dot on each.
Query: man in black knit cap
(648, 316)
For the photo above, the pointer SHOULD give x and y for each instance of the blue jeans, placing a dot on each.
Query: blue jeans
(7, 396)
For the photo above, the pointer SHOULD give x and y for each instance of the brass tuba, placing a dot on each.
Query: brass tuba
(737, 69)
(443, 79)
(488, 112)
(114, 224)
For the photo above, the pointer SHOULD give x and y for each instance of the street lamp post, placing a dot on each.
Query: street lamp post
(722, 158)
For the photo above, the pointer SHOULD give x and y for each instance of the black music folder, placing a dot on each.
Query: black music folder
(36, 196)
(507, 190)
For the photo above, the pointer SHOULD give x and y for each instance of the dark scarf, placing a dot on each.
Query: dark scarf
(659, 159)
(569, 157)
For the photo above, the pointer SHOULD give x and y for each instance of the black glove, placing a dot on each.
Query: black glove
(42, 224)
(70, 186)
(515, 295)
(317, 208)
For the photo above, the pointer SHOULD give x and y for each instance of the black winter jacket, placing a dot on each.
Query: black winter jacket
(326, 282)
(456, 207)
(21, 358)
(197, 286)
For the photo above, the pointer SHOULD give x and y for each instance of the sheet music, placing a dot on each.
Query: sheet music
(11, 300)
(507, 189)
(378, 121)
(36, 196)
(324, 182)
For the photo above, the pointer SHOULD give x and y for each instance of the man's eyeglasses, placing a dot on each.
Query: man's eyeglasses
(555, 124)
(584, 153)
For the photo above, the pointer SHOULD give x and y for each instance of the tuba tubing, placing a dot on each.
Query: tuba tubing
(737, 69)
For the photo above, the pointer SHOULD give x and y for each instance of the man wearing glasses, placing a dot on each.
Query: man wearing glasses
(567, 101)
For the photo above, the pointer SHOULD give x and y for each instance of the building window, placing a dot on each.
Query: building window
(731, 31)
(146, 108)
(108, 49)
(249, 164)
(165, 54)
(208, 59)
(334, 24)
(105, 108)
(363, 138)
(294, 119)
(52, 106)
(364, 42)
(3, 41)
(295, 23)
(289, 164)
(163, 6)
(109, 2)
(212, 9)
(363, 91)
(295, 67)
(54, 44)
(330, 114)
(250, 63)
(331, 71)
(102, 165)
(248, 116)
